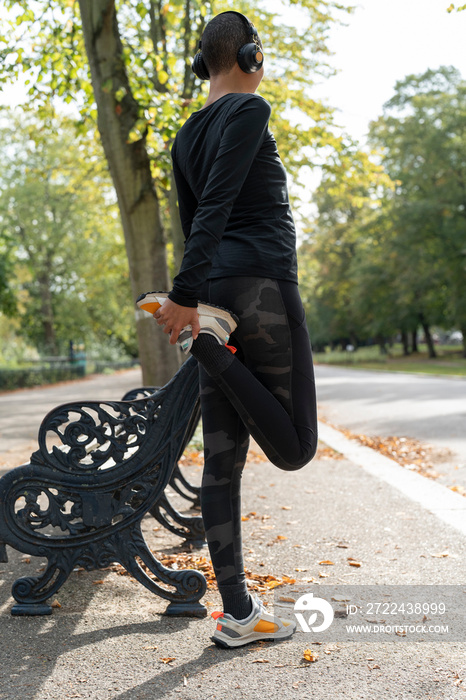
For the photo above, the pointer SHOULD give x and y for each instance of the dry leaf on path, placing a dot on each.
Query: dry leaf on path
(309, 655)
(167, 659)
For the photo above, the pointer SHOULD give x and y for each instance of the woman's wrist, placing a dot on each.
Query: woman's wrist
(182, 300)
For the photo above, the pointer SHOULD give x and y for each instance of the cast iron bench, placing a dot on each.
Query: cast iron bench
(100, 467)
(189, 527)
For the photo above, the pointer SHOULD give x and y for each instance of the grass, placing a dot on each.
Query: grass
(449, 360)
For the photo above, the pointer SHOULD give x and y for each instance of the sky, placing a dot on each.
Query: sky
(385, 40)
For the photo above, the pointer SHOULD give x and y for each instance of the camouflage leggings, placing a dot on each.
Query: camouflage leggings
(268, 392)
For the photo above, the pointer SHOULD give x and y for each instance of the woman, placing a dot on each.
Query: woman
(240, 254)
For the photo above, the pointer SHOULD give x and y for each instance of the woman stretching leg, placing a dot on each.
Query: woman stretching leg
(240, 254)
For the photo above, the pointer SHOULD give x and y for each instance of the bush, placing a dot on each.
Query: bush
(37, 376)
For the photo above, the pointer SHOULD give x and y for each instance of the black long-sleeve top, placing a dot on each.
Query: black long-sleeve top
(233, 197)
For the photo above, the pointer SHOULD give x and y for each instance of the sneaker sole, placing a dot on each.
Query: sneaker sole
(252, 637)
(151, 305)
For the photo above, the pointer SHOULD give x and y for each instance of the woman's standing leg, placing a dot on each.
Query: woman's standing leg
(226, 442)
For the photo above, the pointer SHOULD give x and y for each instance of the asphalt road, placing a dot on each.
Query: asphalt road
(430, 409)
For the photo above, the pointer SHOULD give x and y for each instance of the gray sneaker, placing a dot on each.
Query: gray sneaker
(259, 624)
(214, 320)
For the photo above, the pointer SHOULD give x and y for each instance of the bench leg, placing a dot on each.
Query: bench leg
(3, 554)
(190, 585)
(32, 592)
(191, 527)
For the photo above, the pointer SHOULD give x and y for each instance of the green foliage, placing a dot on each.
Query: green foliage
(341, 257)
(388, 249)
(59, 228)
(159, 42)
(424, 151)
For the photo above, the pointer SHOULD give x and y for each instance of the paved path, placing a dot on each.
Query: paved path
(21, 412)
(431, 409)
(108, 638)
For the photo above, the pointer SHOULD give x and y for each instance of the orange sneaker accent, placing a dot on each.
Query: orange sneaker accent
(216, 614)
(264, 626)
(231, 348)
(151, 306)
(219, 627)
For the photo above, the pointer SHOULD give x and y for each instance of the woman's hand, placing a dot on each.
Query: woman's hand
(175, 317)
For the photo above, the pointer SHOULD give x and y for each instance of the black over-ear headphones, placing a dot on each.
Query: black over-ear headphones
(250, 56)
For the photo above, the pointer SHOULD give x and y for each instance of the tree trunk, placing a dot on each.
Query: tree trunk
(46, 310)
(405, 342)
(130, 170)
(428, 336)
(463, 331)
(414, 346)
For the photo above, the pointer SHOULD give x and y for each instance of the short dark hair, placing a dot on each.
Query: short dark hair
(222, 38)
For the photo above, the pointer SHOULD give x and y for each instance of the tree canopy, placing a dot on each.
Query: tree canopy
(60, 231)
(390, 236)
(127, 65)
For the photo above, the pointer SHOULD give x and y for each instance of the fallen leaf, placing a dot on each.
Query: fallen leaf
(281, 537)
(309, 655)
(150, 648)
(355, 563)
(331, 647)
(167, 659)
(440, 555)
(327, 562)
(55, 604)
(286, 507)
(322, 575)
(286, 599)
(260, 661)
(97, 583)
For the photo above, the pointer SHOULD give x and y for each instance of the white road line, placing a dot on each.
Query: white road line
(439, 500)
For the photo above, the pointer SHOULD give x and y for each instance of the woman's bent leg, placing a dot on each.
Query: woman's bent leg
(273, 390)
